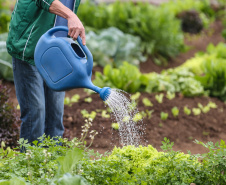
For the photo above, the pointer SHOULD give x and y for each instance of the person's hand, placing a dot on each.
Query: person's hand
(76, 28)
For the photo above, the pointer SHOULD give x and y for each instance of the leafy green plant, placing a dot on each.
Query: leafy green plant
(162, 38)
(115, 126)
(187, 110)
(86, 114)
(147, 102)
(88, 100)
(175, 111)
(104, 114)
(137, 117)
(164, 116)
(123, 47)
(170, 95)
(159, 97)
(75, 98)
(126, 77)
(196, 111)
(135, 96)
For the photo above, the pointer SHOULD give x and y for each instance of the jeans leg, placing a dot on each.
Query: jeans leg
(54, 112)
(30, 94)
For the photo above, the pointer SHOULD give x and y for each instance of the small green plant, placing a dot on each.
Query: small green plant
(161, 125)
(126, 119)
(115, 126)
(167, 145)
(104, 114)
(135, 96)
(212, 105)
(187, 110)
(196, 111)
(88, 100)
(86, 114)
(147, 102)
(175, 111)
(170, 95)
(204, 109)
(164, 116)
(137, 117)
(159, 97)
(67, 101)
(149, 113)
(75, 98)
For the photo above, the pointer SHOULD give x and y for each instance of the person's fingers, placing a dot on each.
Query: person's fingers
(72, 33)
(77, 33)
(83, 37)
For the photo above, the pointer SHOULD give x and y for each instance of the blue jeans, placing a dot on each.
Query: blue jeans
(41, 108)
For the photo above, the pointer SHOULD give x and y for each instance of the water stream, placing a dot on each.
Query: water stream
(125, 113)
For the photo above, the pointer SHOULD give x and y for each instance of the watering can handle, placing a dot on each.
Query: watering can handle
(84, 48)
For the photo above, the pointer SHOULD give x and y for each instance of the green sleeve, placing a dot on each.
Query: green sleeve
(44, 4)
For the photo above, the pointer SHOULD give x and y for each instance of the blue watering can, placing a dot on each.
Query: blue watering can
(65, 65)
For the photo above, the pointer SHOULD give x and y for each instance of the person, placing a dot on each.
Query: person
(41, 108)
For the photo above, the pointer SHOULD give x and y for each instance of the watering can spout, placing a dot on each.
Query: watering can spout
(104, 92)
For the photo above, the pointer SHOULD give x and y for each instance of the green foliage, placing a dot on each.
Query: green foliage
(214, 162)
(162, 37)
(115, 126)
(8, 122)
(137, 117)
(173, 80)
(187, 110)
(214, 79)
(213, 53)
(196, 111)
(147, 102)
(126, 77)
(86, 114)
(143, 165)
(159, 97)
(88, 100)
(164, 116)
(112, 46)
(170, 95)
(175, 111)
(6, 71)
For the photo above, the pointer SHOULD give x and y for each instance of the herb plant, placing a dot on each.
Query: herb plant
(187, 110)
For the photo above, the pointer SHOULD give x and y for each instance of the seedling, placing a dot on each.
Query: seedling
(85, 114)
(149, 113)
(187, 111)
(159, 97)
(88, 100)
(75, 98)
(175, 111)
(104, 114)
(196, 111)
(164, 116)
(160, 125)
(67, 101)
(147, 102)
(132, 106)
(115, 126)
(212, 105)
(126, 119)
(135, 96)
(170, 95)
(137, 117)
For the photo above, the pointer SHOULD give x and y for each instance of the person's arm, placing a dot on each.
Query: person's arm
(74, 24)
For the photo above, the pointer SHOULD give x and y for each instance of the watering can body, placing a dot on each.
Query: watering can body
(65, 65)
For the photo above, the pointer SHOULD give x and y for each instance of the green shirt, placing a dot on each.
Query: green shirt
(30, 20)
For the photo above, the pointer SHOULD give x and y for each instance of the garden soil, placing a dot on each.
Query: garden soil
(182, 130)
